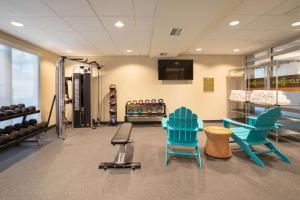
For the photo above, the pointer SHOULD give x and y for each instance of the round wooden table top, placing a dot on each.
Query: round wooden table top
(217, 130)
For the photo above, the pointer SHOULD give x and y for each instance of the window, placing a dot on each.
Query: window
(19, 79)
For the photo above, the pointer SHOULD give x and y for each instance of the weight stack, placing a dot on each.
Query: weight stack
(81, 100)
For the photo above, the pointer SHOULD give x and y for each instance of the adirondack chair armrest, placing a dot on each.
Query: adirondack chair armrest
(200, 124)
(164, 122)
(251, 120)
(227, 123)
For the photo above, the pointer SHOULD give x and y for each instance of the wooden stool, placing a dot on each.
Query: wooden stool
(217, 143)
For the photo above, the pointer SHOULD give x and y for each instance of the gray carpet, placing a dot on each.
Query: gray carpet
(68, 170)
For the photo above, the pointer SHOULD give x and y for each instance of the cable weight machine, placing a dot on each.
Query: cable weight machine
(81, 94)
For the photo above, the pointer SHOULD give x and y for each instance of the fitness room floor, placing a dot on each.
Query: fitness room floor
(68, 169)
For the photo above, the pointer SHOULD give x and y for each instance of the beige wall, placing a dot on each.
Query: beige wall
(47, 71)
(136, 78)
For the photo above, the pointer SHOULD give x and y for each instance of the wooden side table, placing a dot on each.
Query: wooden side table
(217, 143)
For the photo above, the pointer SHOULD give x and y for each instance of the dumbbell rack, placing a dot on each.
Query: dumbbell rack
(145, 117)
(20, 139)
(112, 104)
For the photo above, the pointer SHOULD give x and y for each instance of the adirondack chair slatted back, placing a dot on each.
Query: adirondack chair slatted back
(183, 124)
(264, 124)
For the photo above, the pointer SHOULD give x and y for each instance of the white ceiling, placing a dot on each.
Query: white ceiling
(87, 26)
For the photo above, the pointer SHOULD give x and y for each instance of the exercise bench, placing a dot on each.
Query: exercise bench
(122, 138)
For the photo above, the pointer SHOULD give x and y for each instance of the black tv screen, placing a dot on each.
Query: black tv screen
(175, 69)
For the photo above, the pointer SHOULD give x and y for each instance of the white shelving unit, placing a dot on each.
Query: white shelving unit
(251, 90)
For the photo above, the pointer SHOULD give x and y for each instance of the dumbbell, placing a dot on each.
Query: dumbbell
(8, 112)
(17, 126)
(4, 139)
(24, 109)
(41, 125)
(2, 131)
(3, 108)
(32, 108)
(32, 128)
(12, 107)
(8, 129)
(21, 105)
(32, 122)
(25, 124)
(17, 111)
(2, 114)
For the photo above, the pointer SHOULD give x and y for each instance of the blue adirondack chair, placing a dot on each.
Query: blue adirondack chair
(181, 129)
(256, 132)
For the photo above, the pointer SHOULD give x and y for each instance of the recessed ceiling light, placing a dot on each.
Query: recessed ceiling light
(198, 49)
(295, 24)
(128, 51)
(234, 23)
(18, 24)
(236, 50)
(119, 24)
(69, 51)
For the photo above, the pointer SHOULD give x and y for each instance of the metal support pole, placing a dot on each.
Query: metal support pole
(60, 95)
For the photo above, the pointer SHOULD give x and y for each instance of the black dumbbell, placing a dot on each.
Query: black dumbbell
(26, 131)
(12, 107)
(3, 108)
(21, 105)
(32, 128)
(8, 129)
(17, 126)
(16, 111)
(8, 112)
(25, 124)
(24, 109)
(42, 125)
(32, 108)
(2, 114)
(2, 131)
(32, 122)
(4, 139)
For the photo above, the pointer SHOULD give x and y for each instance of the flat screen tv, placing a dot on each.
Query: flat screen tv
(175, 69)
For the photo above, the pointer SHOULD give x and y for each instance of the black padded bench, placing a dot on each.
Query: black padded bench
(122, 138)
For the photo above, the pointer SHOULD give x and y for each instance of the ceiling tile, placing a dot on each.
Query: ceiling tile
(243, 19)
(144, 23)
(256, 7)
(102, 41)
(84, 23)
(4, 10)
(113, 7)
(273, 23)
(144, 8)
(144, 42)
(70, 7)
(28, 7)
(109, 23)
(287, 8)
(51, 24)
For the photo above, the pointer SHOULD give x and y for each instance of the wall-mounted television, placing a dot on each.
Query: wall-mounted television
(175, 69)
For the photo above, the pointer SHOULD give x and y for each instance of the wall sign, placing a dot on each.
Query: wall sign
(208, 85)
(285, 83)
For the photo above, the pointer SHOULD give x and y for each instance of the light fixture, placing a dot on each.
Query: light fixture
(128, 50)
(18, 24)
(119, 24)
(234, 23)
(198, 49)
(236, 50)
(295, 24)
(69, 51)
